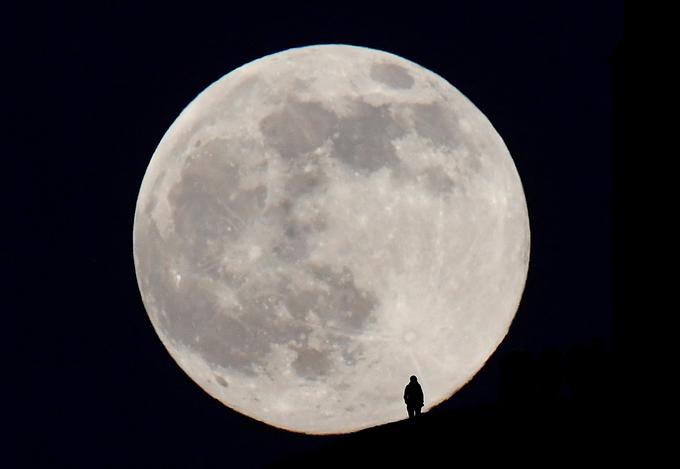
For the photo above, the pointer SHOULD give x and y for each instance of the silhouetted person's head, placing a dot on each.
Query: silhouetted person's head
(413, 379)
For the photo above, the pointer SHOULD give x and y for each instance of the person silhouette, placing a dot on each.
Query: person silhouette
(413, 396)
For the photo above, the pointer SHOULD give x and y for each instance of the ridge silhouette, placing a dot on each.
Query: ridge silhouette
(551, 410)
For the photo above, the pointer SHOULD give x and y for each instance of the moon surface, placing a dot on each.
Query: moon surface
(320, 224)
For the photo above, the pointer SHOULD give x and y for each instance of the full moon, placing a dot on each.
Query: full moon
(322, 223)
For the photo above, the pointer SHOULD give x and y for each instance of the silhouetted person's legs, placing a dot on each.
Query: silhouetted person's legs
(413, 411)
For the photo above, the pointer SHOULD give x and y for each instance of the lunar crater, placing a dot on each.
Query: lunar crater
(221, 381)
(392, 75)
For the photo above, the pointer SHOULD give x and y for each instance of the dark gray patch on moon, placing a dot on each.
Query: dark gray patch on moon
(343, 302)
(207, 202)
(338, 300)
(440, 127)
(364, 138)
(298, 128)
(301, 303)
(230, 342)
(192, 312)
(311, 364)
(436, 181)
(361, 140)
(195, 317)
(306, 176)
(434, 123)
(221, 381)
(392, 75)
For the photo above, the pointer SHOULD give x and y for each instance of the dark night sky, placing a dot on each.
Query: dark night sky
(92, 93)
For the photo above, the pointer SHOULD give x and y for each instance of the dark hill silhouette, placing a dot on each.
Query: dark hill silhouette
(481, 436)
(551, 411)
